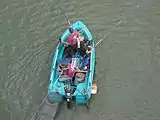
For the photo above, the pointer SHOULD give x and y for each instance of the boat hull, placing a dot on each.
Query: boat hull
(82, 93)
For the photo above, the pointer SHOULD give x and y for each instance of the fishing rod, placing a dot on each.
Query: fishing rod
(70, 23)
(63, 13)
(102, 39)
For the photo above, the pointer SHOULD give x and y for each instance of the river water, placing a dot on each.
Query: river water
(128, 60)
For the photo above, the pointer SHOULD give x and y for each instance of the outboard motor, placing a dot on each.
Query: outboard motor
(68, 94)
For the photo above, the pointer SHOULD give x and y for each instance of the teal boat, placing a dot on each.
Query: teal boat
(65, 88)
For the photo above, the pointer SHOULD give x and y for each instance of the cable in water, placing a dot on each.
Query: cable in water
(39, 106)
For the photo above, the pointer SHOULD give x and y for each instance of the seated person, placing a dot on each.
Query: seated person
(75, 43)
(70, 72)
(72, 38)
(83, 48)
(71, 43)
(71, 48)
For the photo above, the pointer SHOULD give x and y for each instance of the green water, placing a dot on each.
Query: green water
(128, 60)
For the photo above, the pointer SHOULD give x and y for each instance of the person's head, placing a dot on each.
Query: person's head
(71, 30)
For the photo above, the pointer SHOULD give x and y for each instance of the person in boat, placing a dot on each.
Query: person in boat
(71, 42)
(81, 42)
(76, 42)
(72, 38)
(78, 35)
(70, 72)
(83, 48)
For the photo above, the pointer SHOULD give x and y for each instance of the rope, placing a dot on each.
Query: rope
(39, 107)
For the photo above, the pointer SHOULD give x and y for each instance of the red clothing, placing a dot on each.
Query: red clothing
(71, 38)
(70, 71)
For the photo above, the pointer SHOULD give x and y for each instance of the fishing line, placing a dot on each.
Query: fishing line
(44, 100)
(63, 13)
(102, 39)
(39, 107)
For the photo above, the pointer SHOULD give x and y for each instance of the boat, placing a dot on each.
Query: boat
(66, 89)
